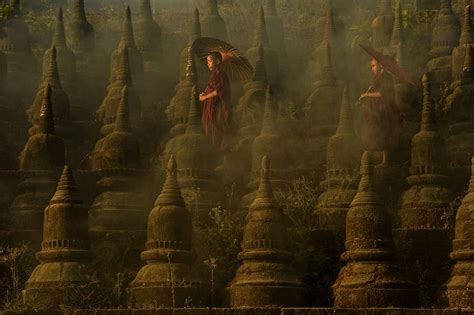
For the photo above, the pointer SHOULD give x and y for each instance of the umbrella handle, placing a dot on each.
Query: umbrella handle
(368, 90)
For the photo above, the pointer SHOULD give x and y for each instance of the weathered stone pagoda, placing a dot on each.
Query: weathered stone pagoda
(91, 73)
(197, 160)
(178, 109)
(167, 280)
(62, 278)
(41, 162)
(194, 33)
(248, 116)
(212, 23)
(201, 69)
(426, 217)
(321, 110)
(335, 38)
(66, 62)
(461, 124)
(459, 52)
(445, 36)
(340, 184)
(65, 58)
(117, 215)
(322, 106)
(268, 143)
(127, 41)
(263, 277)
(458, 289)
(59, 100)
(148, 37)
(397, 30)
(106, 112)
(149, 43)
(119, 206)
(371, 277)
(271, 55)
(81, 36)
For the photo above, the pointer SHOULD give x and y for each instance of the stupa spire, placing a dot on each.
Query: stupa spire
(260, 69)
(124, 74)
(191, 72)
(397, 32)
(268, 124)
(196, 30)
(52, 76)
(78, 10)
(467, 69)
(264, 198)
(366, 193)
(171, 192)
(467, 34)
(46, 117)
(345, 117)
(327, 74)
(194, 117)
(261, 35)
(59, 37)
(127, 38)
(122, 119)
(330, 29)
(67, 190)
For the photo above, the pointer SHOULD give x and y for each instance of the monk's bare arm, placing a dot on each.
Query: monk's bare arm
(371, 94)
(204, 97)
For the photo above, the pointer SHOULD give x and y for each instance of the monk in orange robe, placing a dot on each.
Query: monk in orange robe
(216, 114)
(381, 127)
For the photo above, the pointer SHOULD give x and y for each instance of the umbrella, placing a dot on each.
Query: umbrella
(389, 64)
(233, 63)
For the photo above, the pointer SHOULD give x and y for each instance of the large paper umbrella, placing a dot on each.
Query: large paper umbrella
(389, 64)
(233, 63)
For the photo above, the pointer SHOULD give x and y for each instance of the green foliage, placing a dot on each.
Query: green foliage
(46, 3)
(217, 244)
(311, 263)
(107, 21)
(4, 9)
(16, 265)
(417, 34)
(41, 27)
(115, 267)
(298, 203)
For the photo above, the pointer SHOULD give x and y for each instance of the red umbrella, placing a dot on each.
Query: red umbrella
(389, 64)
(233, 63)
